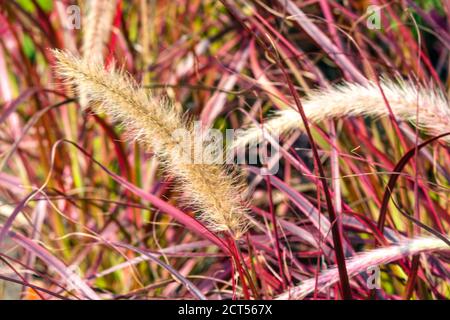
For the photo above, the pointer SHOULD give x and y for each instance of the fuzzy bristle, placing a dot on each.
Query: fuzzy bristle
(97, 22)
(213, 191)
(350, 99)
(363, 261)
(98, 18)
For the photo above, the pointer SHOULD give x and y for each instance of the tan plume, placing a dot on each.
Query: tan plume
(350, 99)
(212, 189)
(362, 261)
(97, 24)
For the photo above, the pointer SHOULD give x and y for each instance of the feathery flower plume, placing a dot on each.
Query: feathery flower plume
(363, 261)
(213, 191)
(97, 24)
(351, 99)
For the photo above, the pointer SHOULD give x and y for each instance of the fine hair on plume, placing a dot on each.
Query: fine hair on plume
(213, 190)
(363, 261)
(97, 21)
(98, 16)
(351, 99)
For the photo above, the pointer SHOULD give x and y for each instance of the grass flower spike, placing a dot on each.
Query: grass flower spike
(363, 261)
(97, 27)
(350, 99)
(213, 191)
(98, 18)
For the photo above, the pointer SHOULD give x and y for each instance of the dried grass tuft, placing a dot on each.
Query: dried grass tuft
(363, 261)
(213, 189)
(97, 23)
(350, 99)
